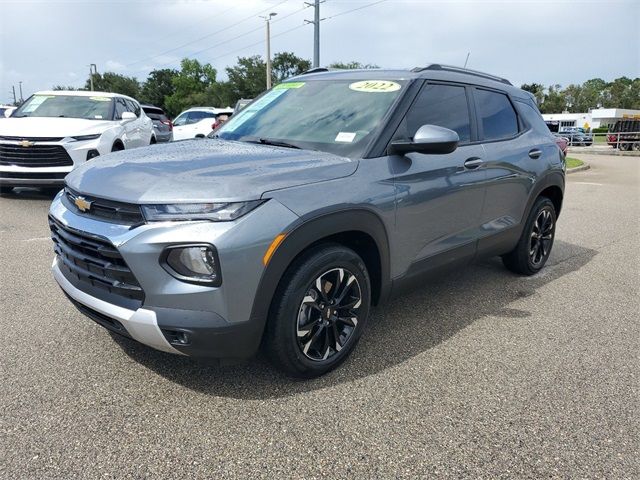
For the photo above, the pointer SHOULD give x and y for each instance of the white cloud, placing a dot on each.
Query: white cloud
(113, 66)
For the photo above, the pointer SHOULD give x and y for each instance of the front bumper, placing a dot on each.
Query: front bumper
(50, 176)
(216, 321)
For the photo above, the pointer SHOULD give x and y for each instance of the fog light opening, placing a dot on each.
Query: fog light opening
(93, 153)
(177, 337)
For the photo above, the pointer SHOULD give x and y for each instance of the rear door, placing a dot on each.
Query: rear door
(131, 136)
(439, 197)
(514, 158)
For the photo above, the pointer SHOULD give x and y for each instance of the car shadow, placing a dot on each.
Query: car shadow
(397, 331)
(28, 193)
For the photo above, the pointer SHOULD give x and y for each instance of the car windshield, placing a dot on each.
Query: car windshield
(89, 108)
(334, 116)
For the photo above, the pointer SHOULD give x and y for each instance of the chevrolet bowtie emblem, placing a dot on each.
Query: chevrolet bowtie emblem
(26, 143)
(82, 203)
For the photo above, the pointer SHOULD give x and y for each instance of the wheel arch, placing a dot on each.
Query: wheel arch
(117, 145)
(551, 186)
(359, 229)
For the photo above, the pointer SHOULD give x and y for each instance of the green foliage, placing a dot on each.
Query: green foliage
(352, 65)
(193, 86)
(64, 87)
(115, 83)
(158, 86)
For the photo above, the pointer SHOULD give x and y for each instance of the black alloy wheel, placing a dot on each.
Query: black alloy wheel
(328, 314)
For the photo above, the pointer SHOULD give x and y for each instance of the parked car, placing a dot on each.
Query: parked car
(198, 122)
(562, 142)
(162, 126)
(6, 111)
(330, 193)
(576, 136)
(52, 133)
(240, 104)
(625, 135)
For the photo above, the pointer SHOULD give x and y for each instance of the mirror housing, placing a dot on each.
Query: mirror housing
(8, 112)
(428, 139)
(127, 117)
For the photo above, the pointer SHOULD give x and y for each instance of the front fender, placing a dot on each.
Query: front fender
(309, 230)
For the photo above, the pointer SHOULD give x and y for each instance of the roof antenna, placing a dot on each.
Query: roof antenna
(465, 62)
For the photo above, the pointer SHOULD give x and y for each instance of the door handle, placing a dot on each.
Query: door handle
(472, 163)
(535, 153)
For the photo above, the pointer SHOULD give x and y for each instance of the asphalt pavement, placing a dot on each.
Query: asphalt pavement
(479, 374)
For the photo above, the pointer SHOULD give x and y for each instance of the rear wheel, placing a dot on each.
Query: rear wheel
(534, 246)
(117, 147)
(636, 146)
(319, 312)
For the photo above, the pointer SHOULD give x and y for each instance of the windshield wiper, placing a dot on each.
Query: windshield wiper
(269, 141)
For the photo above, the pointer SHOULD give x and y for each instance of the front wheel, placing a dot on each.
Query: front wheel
(319, 311)
(534, 247)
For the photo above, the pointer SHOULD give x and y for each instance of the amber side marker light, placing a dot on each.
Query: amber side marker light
(272, 248)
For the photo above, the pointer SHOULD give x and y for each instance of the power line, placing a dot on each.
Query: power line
(355, 9)
(205, 36)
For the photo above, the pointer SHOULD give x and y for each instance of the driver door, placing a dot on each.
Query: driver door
(439, 197)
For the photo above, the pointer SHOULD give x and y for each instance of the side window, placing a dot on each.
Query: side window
(181, 120)
(496, 114)
(196, 116)
(133, 107)
(442, 105)
(121, 107)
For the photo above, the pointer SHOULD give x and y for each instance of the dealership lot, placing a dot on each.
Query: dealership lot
(480, 374)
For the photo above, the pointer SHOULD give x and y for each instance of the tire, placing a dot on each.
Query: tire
(624, 147)
(153, 141)
(306, 335)
(636, 146)
(535, 244)
(5, 189)
(117, 147)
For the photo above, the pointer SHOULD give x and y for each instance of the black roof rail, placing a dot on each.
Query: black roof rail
(450, 68)
(315, 70)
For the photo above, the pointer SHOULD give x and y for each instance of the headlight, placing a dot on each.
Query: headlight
(81, 138)
(193, 264)
(215, 212)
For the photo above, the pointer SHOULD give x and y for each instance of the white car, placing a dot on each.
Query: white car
(53, 132)
(6, 110)
(199, 122)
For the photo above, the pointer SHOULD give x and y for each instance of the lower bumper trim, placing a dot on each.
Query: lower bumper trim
(140, 324)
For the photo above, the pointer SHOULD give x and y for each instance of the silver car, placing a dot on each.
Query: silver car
(330, 193)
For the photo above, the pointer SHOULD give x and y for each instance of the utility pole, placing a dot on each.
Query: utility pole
(93, 69)
(316, 31)
(13, 89)
(21, 97)
(268, 20)
(467, 60)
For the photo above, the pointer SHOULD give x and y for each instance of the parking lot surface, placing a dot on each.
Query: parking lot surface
(478, 374)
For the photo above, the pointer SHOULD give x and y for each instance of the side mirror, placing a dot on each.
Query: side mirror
(8, 112)
(127, 117)
(428, 139)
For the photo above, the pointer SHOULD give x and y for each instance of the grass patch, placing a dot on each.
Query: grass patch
(573, 162)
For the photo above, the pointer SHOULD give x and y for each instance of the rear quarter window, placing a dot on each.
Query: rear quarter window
(497, 117)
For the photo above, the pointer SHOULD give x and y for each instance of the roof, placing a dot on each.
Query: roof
(429, 72)
(211, 109)
(81, 93)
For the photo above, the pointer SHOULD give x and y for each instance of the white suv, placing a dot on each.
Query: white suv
(53, 132)
(199, 122)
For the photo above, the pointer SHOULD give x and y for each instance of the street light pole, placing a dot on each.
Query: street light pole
(268, 20)
(93, 69)
(316, 35)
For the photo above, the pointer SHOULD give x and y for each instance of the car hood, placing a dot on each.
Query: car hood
(204, 170)
(51, 126)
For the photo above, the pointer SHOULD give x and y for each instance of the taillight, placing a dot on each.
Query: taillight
(214, 125)
(168, 123)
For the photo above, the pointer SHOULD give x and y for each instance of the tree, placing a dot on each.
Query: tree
(554, 100)
(352, 65)
(537, 89)
(286, 64)
(64, 87)
(114, 83)
(247, 79)
(193, 85)
(158, 86)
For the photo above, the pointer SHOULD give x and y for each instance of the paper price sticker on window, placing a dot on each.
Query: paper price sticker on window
(375, 86)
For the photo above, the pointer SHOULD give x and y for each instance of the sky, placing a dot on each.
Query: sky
(50, 42)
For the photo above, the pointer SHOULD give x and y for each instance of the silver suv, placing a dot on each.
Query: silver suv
(330, 193)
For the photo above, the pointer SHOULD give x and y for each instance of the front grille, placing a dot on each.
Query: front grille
(34, 156)
(34, 175)
(94, 261)
(31, 139)
(116, 212)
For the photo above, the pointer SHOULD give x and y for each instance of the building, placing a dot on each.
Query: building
(598, 117)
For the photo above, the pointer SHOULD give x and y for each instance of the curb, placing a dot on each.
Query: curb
(581, 168)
